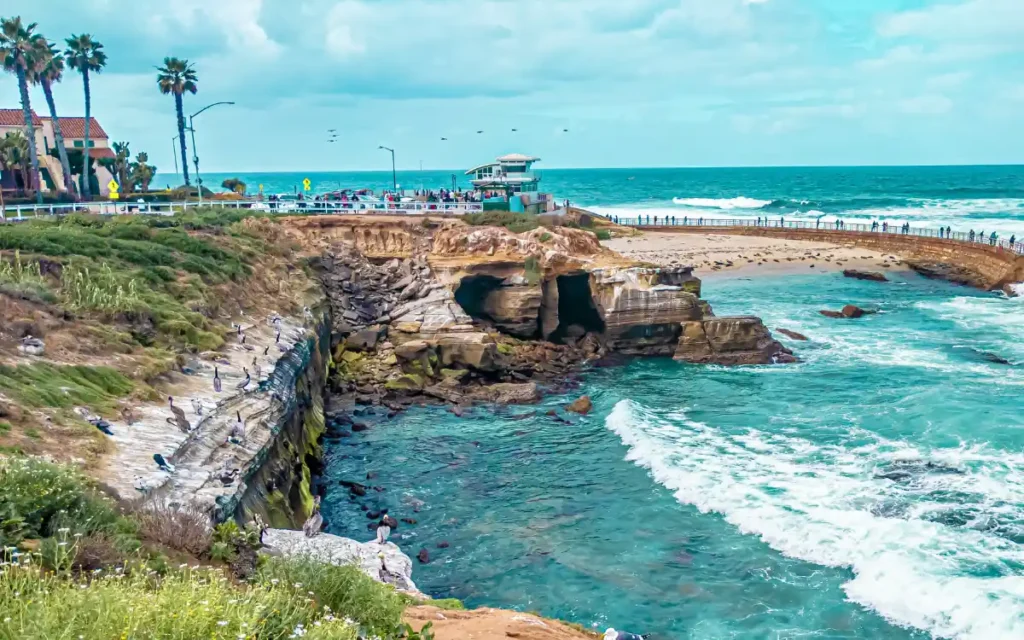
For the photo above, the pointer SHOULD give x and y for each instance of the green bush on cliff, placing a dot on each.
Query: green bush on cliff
(514, 222)
(49, 385)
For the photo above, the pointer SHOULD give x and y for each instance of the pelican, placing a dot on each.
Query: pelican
(277, 338)
(244, 383)
(241, 338)
(179, 417)
(565, 131)
(197, 406)
(163, 464)
(481, 131)
(267, 350)
(514, 130)
(444, 139)
(312, 526)
(216, 380)
(227, 477)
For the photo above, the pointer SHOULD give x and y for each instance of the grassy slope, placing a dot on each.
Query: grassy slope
(119, 302)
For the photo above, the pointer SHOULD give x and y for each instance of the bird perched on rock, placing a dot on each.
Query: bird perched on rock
(261, 526)
(227, 477)
(277, 338)
(179, 417)
(267, 350)
(237, 435)
(244, 383)
(612, 634)
(312, 526)
(103, 426)
(163, 464)
(383, 532)
(197, 406)
(216, 380)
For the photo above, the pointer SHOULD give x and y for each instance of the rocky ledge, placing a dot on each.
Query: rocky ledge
(394, 568)
(487, 316)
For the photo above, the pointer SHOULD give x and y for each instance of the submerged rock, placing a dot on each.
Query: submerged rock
(848, 311)
(791, 334)
(856, 274)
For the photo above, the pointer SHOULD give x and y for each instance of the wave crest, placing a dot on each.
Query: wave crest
(727, 204)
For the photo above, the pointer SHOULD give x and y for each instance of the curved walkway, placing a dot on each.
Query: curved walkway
(994, 265)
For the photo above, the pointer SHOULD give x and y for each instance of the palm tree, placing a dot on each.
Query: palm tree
(50, 69)
(14, 154)
(142, 171)
(86, 56)
(177, 76)
(18, 47)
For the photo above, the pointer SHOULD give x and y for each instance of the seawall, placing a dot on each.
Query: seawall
(987, 267)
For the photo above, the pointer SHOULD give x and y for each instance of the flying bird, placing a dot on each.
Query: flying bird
(216, 380)
(565, 131)
(445, 139)
(313, 525)
(514, 130)
(481, 131)
(331, 130)
(179, 417)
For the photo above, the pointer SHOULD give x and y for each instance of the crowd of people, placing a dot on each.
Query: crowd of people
(840, 225)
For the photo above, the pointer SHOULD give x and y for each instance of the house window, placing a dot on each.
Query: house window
(78, 144)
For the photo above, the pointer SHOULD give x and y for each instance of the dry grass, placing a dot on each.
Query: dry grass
(183, 528)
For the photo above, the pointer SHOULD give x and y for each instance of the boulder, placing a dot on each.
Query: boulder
(730, 341)
(831, 314)
(581, 405)
(331, 549)
(549, 308)
(515, 309)
(857, 274)
(791, 334)
(365, 340)
(507, 393)
(412, 350)
(950, 272)
(468, 350)
(423, 556)
(406, 382)
(848, 311)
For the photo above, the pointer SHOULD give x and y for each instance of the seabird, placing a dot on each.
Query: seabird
(312, 526)
(163, 464)
(244, 383)
(179, 417)
(444, 139)
(277, 338)
(227, 477)
(514, 130)
(331, 130)
(237, 435)
(612, 634)
(383, 532)
(32, 346)
(197, 406)
(216, 380)
(128, 415)
(241, 338)
(260, 525)
(103, 426)
(481, 131)
(267, 350)
(565, 131)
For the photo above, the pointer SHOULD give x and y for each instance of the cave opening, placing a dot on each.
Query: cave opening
(577, 313)
(472, 294)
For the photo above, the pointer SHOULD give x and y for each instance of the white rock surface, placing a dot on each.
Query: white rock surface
(344, 551)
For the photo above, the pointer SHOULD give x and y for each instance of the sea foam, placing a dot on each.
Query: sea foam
(823, 504)
(741, 202)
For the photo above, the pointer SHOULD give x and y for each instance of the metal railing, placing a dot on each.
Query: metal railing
(993, 240)
(18, 213)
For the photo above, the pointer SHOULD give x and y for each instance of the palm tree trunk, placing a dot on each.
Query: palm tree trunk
(181, 135)
(30, 133)
(58, 138)
(86, 186)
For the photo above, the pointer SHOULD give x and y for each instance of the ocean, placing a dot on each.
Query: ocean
(875, 490)
(983, 198)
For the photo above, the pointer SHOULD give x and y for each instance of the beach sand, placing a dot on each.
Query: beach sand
(714, 254)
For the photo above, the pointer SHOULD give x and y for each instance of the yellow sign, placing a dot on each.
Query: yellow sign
(261, 188)
(306, 184)
(112, 186)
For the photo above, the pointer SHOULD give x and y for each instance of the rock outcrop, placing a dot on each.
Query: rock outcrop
(396, 568)
(848, 311)
(856, 274)
(491, 624)
(514, 307)
(730, 341)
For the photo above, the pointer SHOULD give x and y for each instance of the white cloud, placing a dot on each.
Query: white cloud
(962, 20)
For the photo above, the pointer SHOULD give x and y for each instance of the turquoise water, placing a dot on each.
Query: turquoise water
(980, 198)
(875, 490)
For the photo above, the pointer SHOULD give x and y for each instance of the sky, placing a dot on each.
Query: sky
(635, 82)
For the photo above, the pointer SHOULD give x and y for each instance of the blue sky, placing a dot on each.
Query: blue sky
(636, 82)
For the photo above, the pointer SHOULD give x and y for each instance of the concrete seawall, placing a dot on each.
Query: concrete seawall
(991, 267)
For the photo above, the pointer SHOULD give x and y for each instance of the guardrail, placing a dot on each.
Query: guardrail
(28, 212)
(993, 240)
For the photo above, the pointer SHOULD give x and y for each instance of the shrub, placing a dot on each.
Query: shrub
(180, 527)
(603, 234)
(99, 290)
(38, 498)
(49, 385)
(346, 590)
(514, 222)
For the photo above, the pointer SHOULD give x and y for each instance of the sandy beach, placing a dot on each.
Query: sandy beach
(714, 254)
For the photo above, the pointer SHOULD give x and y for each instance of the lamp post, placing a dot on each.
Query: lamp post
(394, 176)
(195, 152)
(174, 153)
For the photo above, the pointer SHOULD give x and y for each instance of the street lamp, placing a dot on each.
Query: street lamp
(174, 151)
(394, 176)
(195, 152)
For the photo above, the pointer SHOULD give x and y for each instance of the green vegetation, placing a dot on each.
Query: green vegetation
(177, 77)
(49, 385)
(99, 290)
(514, 222)
(603, 234)
(533, 270)
(24, 280)
(545, 237)
(234, 185)
(87, 570)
